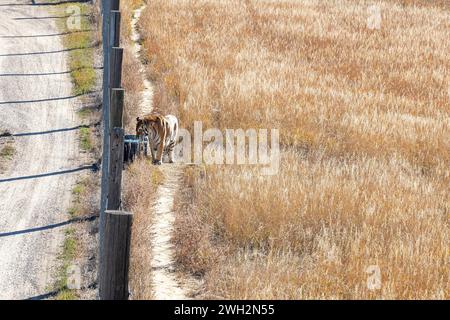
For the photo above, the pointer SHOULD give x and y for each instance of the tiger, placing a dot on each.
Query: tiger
(162, 132)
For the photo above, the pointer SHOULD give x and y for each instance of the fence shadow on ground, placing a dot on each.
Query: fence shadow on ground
(38, 4)
(27, 134)
(44, 73)
(52, 294)
(43, 100)
(48, 227)
(44, 52)
(93, 167)
(45, 35)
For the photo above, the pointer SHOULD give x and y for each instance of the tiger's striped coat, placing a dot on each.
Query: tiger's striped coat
(162, 132)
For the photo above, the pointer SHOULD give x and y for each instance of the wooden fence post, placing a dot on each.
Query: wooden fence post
(115, 4)
(112, 283)
(117, 103)
(105, 114)
(108, 36)
(115, 78)
(116, 256)
(114, 37)
(107, 7)
(115, 169)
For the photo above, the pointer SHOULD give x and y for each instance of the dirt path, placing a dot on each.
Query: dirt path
(35, 97)
(147, 94)
(167, 283)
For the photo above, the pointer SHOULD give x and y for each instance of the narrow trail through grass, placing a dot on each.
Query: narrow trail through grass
(147, 94)
(167, 284)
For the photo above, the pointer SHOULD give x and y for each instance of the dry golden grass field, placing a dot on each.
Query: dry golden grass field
(364, 120)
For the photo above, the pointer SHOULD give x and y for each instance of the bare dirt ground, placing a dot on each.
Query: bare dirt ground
(147, 94)
(37, 106)
(167, 283)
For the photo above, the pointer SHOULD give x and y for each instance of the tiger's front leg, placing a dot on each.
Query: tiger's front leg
(157, 160)
(153, 156)
(153, 151)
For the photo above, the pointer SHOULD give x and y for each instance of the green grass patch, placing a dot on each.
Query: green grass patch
(85, 113)
(73, 212)
(66, 257)
(78, 192)
(69, 245)
(85, 139)
(80, 43)
(67, 294)
(7, 152)
(78, 189)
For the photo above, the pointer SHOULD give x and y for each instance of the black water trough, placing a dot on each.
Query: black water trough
(134, 147)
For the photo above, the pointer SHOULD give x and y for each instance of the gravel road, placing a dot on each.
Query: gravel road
(35, 98)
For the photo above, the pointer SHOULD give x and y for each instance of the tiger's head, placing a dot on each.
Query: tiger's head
(140, 127)
(144, 125)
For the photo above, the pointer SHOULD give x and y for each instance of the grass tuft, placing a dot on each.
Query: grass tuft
(66, 258)
(7, 152)
(85, 139)
(81, 45)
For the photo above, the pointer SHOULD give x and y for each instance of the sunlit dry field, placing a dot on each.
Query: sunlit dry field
(364, 125)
